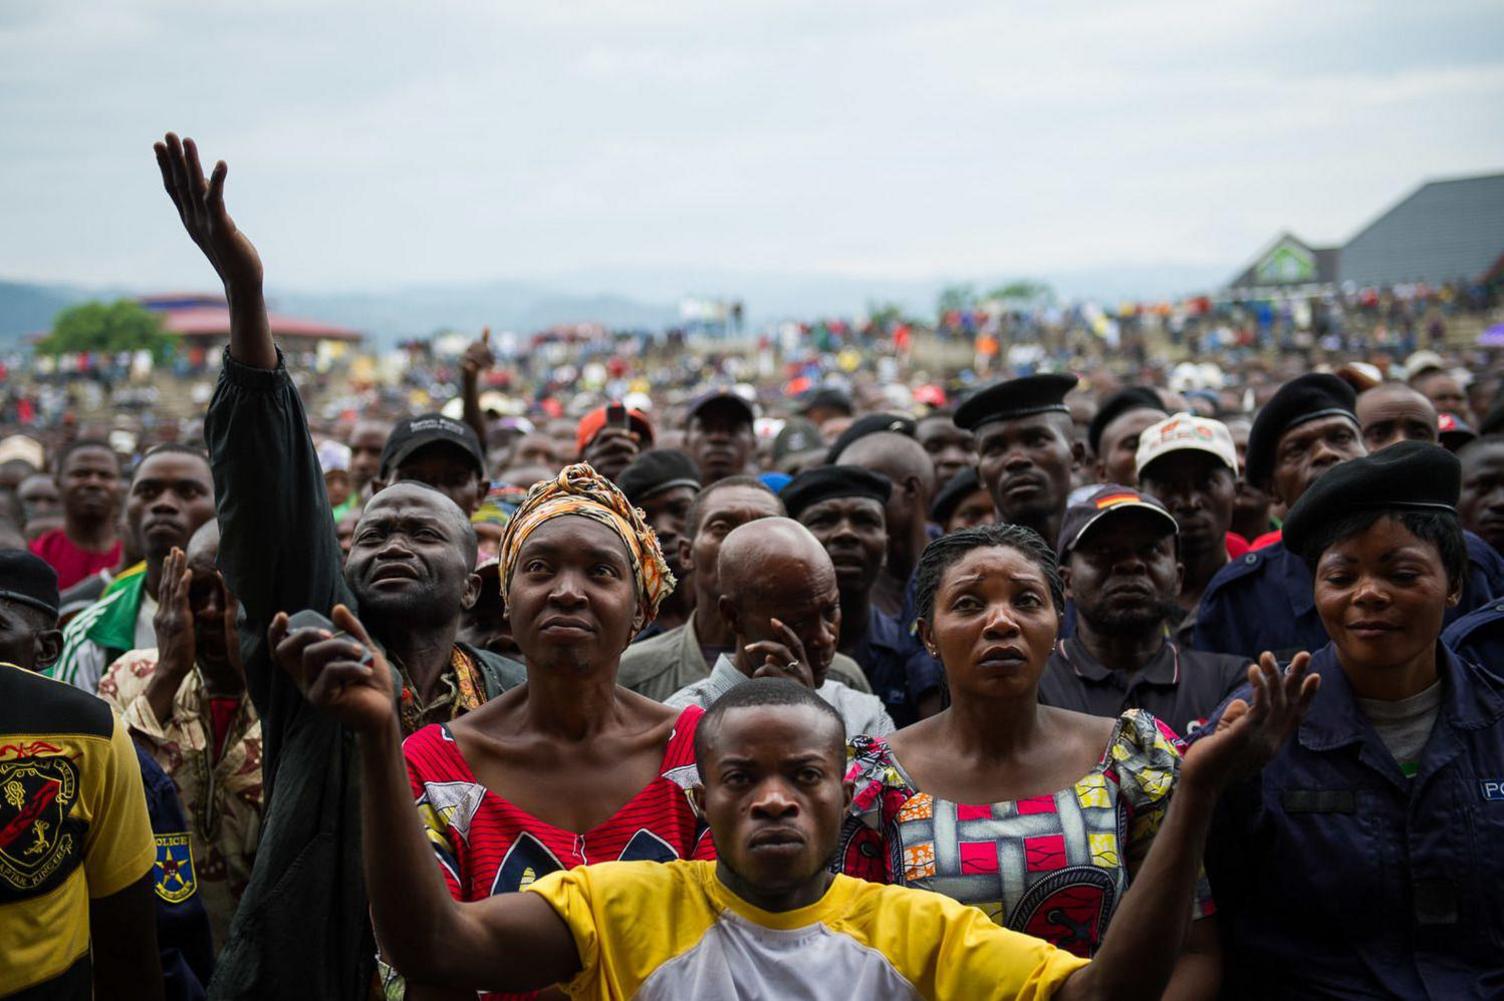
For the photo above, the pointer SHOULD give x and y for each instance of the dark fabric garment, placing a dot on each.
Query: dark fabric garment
(1338, 877)
(278, 551)
(650, 630)
(897, 666)
(183, 936)
(1478, 637)
(1179, 687)
(1266, 601)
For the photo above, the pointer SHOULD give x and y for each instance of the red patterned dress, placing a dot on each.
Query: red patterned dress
(1052, 866)
(485, 845)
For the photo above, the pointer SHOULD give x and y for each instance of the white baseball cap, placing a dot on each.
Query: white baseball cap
(1186, 431)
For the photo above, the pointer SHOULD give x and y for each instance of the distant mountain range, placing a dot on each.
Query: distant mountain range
(621, 298)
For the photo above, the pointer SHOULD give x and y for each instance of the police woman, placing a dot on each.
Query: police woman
(1365, 860)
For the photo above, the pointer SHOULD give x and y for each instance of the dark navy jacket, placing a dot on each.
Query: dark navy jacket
(1337, 877)
(183, 938)
(1479, 637)
(897, 666)
(1265, 600)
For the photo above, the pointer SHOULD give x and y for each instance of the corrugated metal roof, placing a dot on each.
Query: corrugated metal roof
(1446, 230)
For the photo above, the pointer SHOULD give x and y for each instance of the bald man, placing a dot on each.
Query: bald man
(780, 601)
(1391, 412)
(912, 472)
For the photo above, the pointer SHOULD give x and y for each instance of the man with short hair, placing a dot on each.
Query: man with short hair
(441, 453)
(1026, 450)
(1444, 391)
(844, 508)
(1481, 507)
(780, 601)
(664, 484)
(41, 505)
(906, 465)
(1264, 601)
(1113, 434)
(367, 440)
(1119, 562)
(170, 496)
(1391, 412)
(410, 571)
(88, 483)
(769, 919)
(1190, 465)
(950, 448)
(718, 435)
(76, 904)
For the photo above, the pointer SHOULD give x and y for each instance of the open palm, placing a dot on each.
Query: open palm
(201, 206)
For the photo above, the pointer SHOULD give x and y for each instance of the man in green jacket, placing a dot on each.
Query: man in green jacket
(302, 929)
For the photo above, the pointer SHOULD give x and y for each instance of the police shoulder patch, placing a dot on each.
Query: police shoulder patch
(176, 880)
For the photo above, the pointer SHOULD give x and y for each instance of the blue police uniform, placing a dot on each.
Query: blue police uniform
(183, 937)
(1338, 877)
(897, 666)
(1266, 601)
(1478, 637)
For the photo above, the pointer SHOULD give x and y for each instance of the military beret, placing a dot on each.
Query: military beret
(1119, 403)
(1302, 399)
(651, 473)
(825, 482)
(958, 488)
(870, 424)
(28, 579)
(1003, 401)
(1406, 476)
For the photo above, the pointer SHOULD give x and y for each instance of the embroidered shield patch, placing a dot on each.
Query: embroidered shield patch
(176, 880)
(36, 796)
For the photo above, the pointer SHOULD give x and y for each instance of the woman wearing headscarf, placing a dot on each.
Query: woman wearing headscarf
(1365, 860)
(568, 768)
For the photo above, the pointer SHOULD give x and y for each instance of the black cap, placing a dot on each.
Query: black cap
(28, 579)
(871, 424)
(413, 433)
(1109, 501)
(1119, 403)
(958, 488)
(1003, 401)
(1406, 476)
(651, 473)
(797, 435)
(721, 397)
(1453, 432)
(825, 396)
(824, 482)
(1302, 399)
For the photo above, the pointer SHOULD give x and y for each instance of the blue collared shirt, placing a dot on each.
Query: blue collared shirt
(1336, 876)
(897, 666)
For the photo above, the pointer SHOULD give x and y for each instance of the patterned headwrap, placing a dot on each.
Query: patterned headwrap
(580, 490)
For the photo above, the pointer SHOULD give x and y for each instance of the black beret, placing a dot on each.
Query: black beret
(656, 471)
(1406, 476)
(958, 488)
(1002, 401)
(870, 424)
(28, 579)
(1119, 403)
(1304, 398)
(824, 482)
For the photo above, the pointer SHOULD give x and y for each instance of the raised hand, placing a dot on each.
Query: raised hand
(201, 206)
(343, 674)
(612, 450)
(1248, 736)
(173, 620)
(478, 357)
(783, 659)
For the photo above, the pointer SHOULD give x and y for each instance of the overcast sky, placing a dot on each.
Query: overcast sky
(392, 141)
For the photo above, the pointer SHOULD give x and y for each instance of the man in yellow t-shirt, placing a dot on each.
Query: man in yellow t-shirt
(768, 919)
(76, 848)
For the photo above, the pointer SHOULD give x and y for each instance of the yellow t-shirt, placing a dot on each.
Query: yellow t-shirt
(73, 825)
(651, 931)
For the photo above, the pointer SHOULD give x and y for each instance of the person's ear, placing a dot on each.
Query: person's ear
(377, 485)
(685, 562)
(1101, 471)
(48, 646)
(848, 791)
(472, 592)
(729, 615)
(696, 796)
(1065, 579)
(1179, 576)
(1454, 594)
(927, 637)
(1078, 455)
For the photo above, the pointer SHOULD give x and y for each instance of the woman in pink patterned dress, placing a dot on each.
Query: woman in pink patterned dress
(1039, 816)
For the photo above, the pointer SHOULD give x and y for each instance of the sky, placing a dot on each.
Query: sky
(388, 143)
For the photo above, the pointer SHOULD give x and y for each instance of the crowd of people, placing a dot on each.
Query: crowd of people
(1077, 683)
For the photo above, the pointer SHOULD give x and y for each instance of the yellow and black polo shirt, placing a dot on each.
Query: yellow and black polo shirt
(73, 826)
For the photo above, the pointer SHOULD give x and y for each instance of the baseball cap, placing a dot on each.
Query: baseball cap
(593, 423)
(1106, 502)
(334, 457)
(414, 433)
(22, 448)
(721, 397)
(1186, 432)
